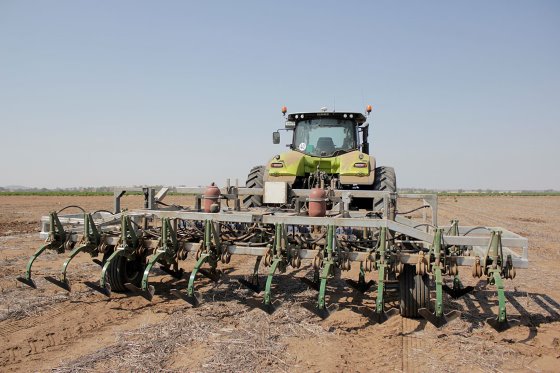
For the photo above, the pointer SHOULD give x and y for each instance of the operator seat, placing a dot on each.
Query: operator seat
(325, 144)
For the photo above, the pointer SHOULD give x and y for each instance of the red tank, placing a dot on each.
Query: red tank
(317, 202)
(211, 197)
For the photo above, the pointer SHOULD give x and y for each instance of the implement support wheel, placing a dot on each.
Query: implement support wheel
(122, 271)
(414, 291)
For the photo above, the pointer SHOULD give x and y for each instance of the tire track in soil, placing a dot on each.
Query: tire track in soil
(85, 326)
(409, 344)
(9, 327)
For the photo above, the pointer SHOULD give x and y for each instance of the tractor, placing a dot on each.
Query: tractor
(328, 150)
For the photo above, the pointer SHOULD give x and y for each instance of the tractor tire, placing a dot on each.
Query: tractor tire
(386, 181)
(122, 271)
(414, 292)
(254, 180)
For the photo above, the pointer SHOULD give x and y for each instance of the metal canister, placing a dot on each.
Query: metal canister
(212, 198)
(317, 202)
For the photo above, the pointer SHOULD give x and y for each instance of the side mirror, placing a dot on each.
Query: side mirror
(276, 137)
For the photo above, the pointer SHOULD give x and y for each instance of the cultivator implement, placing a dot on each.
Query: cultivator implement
(405, 253)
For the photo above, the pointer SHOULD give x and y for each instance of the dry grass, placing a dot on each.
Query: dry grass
(237, 339)
(15, 307)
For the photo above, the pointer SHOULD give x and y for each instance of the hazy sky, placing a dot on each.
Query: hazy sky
(92, 93)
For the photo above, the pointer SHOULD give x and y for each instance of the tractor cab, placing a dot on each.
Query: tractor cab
(327, 134)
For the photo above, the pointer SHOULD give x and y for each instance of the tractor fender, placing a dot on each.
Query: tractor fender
(351, 175)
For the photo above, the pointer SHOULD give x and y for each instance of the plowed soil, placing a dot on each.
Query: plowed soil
(48, 328)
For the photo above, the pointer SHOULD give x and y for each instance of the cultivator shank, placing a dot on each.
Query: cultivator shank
(405, 253)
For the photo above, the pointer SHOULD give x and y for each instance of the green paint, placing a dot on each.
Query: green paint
(328, 264)
(381, 246)
(203, 259)
(502, 316)
(56, 239)
(32, 259)
(153, 260)
(73, 253)
(379, 306)
(92, 240)
(273, 266)
(439, 291)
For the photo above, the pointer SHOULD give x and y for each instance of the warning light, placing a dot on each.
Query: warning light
(368, 109)
(284, 110)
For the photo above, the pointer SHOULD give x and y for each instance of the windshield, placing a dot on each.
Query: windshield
(325, 137)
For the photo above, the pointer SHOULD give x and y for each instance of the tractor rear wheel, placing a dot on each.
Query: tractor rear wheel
(414, 291)
(122, 271)
(385, 181)
(255, 179)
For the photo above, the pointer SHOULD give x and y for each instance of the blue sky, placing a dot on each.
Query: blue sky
(465, 95)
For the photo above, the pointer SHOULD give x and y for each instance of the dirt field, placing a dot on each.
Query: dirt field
(51, 329)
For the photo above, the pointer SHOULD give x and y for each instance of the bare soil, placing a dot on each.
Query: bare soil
(49, 329)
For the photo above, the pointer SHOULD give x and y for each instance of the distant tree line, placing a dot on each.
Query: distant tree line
(108, 190)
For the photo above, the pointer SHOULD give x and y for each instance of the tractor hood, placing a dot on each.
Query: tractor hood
(353, 168)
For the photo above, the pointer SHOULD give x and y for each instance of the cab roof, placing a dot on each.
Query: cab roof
(357, 117)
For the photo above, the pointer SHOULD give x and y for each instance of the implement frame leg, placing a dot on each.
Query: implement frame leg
(267, 301)
(62, 281)
(27, 277)
(500, 323)
(147, 291)
(191, 297)
(322, 310)
(73, 253)
(438, 318)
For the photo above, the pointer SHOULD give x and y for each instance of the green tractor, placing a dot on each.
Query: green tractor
(329, 150)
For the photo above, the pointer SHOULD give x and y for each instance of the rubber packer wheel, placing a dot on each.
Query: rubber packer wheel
(254, 180)
(122, 271)
(414, 292)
